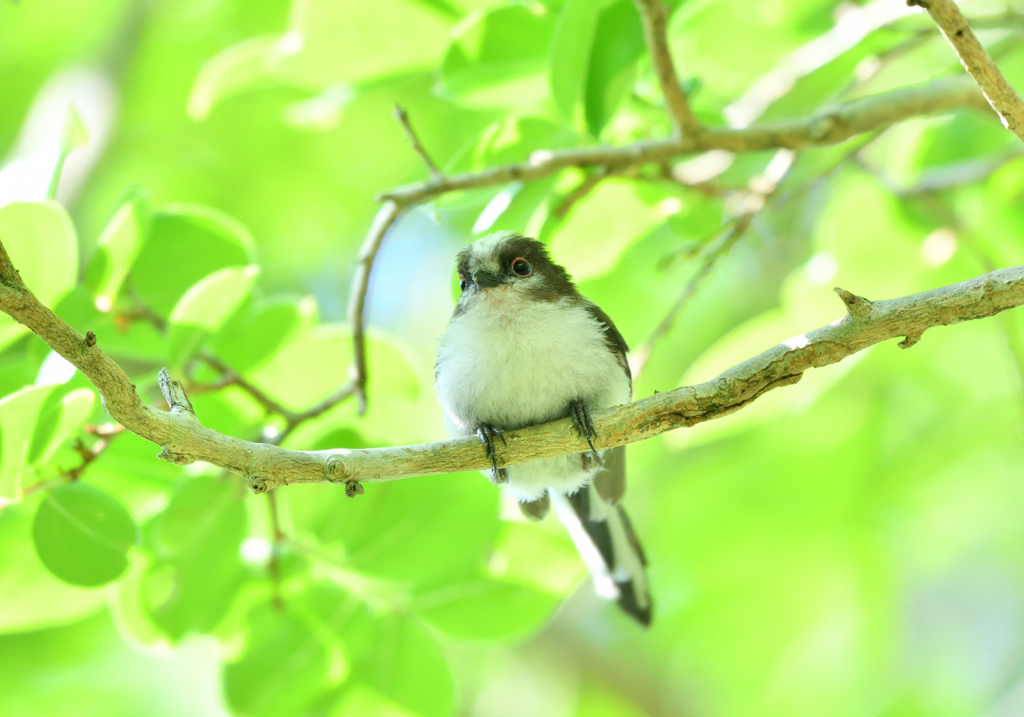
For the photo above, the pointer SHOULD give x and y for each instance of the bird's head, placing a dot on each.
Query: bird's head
(509, 267)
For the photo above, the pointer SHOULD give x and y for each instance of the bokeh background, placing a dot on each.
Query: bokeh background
(852, 545)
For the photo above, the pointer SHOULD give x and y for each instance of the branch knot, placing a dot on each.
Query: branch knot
(856, 306)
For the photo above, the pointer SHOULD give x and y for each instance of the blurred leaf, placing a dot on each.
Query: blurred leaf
(389, 653)
(527, 553)
(245, 66)
(254, 335)
(60, 417)
(118, 247)
(31, 598)
(324, 354)
(19, 413)
(330, 42)
(485, 610)
(40, 240)
(402, 531)
(283, 669)
(601, 226)
(360, 700)
(82, 535)
(618, 43)
(198, 572)
(206, 307)
(74, 134)
(498, 58)
(187, 243)
(570, 53)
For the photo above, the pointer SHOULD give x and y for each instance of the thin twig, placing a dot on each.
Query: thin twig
(387, 215)
(979, 65)
(760, 189)
(403, 118)
(654, 18)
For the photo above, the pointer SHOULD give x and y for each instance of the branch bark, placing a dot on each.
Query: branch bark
(184, 439)
(829, 126)
(978, 63)
(655, 19)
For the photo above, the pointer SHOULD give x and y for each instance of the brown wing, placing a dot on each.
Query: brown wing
(611, 481)
(612, 337)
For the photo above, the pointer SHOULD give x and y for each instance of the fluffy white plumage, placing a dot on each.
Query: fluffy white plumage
(510, 361)
(520, 350)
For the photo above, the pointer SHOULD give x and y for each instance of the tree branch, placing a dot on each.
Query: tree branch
(979, 65)
(266, 466)
(357, 302)
(654, 19)
(829, 126)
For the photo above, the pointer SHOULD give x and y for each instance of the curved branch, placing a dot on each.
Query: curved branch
(978, 63)
(829, 126)
(266, 466)
(654, 18)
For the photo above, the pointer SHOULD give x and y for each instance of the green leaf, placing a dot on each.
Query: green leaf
(253, 336)
(41, 242)
(60, 418)
(246, 66)
(602, 226)
(186, 244)
(199, 571)
(82, 535)
(206, 307)
(498, 59)
(618, 44)
(19, 413)
(570, 53)
(485, 610)
(343, 42)
(361, 700)
(118, 247)
(284, 668)
(530, 554)
(390, 653)
(403, 531)
(313, 363)
(74, 134)
(31, 598)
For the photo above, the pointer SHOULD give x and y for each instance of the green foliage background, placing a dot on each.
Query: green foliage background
(849, 546)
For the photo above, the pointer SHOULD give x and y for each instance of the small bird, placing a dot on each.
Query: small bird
(525, 347)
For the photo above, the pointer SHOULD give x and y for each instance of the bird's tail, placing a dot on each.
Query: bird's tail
(606, 542)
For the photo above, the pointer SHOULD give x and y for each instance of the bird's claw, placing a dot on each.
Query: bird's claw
(584, 425)
(486, 435)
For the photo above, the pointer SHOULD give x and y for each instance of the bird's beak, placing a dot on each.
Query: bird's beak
(485, 280)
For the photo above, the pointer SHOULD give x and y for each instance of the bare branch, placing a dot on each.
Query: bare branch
(654, 18)
(403, 118)
(357, 301)
(979, 65)
(267, 466)
(829, 126)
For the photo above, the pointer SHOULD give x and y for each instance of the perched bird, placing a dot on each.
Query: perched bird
(525, 347)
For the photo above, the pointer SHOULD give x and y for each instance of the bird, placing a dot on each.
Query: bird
(523, 347)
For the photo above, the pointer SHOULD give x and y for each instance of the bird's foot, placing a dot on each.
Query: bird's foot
(584, 424)
(486, 435)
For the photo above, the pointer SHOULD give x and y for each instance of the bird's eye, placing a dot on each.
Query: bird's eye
(521, 267)
(463, 282)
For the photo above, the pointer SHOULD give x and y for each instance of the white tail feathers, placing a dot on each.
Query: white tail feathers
(609, 548)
